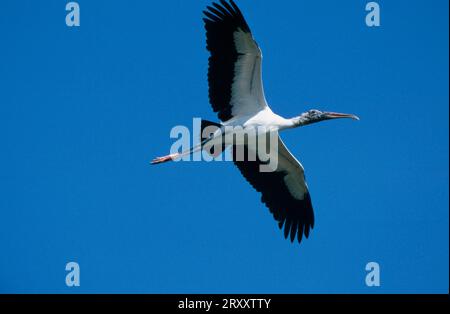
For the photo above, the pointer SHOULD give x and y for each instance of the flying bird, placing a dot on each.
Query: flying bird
(236, 94)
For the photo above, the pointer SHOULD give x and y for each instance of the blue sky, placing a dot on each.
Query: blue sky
(83, 110)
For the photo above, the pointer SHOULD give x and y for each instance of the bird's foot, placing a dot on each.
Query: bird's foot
(160, 160)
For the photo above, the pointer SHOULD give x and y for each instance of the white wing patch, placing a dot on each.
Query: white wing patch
(295, 177)
(247, 90)
(297, 188)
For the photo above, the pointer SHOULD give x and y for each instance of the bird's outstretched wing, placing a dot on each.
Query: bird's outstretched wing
(234, 75)
(284, 191)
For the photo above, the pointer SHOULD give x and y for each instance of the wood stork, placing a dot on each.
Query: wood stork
(237, 96)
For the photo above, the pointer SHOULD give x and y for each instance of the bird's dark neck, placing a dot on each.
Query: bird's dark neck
(299, 121)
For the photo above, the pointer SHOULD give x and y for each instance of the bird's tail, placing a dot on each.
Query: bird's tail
(208, 124)
(207, 129)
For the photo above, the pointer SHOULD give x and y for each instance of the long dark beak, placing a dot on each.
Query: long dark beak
(335, 115)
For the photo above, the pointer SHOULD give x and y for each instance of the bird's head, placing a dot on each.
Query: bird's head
(313, 116)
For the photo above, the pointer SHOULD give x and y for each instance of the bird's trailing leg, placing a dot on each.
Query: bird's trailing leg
(160, 160)
(209, 131)
(175, 156)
